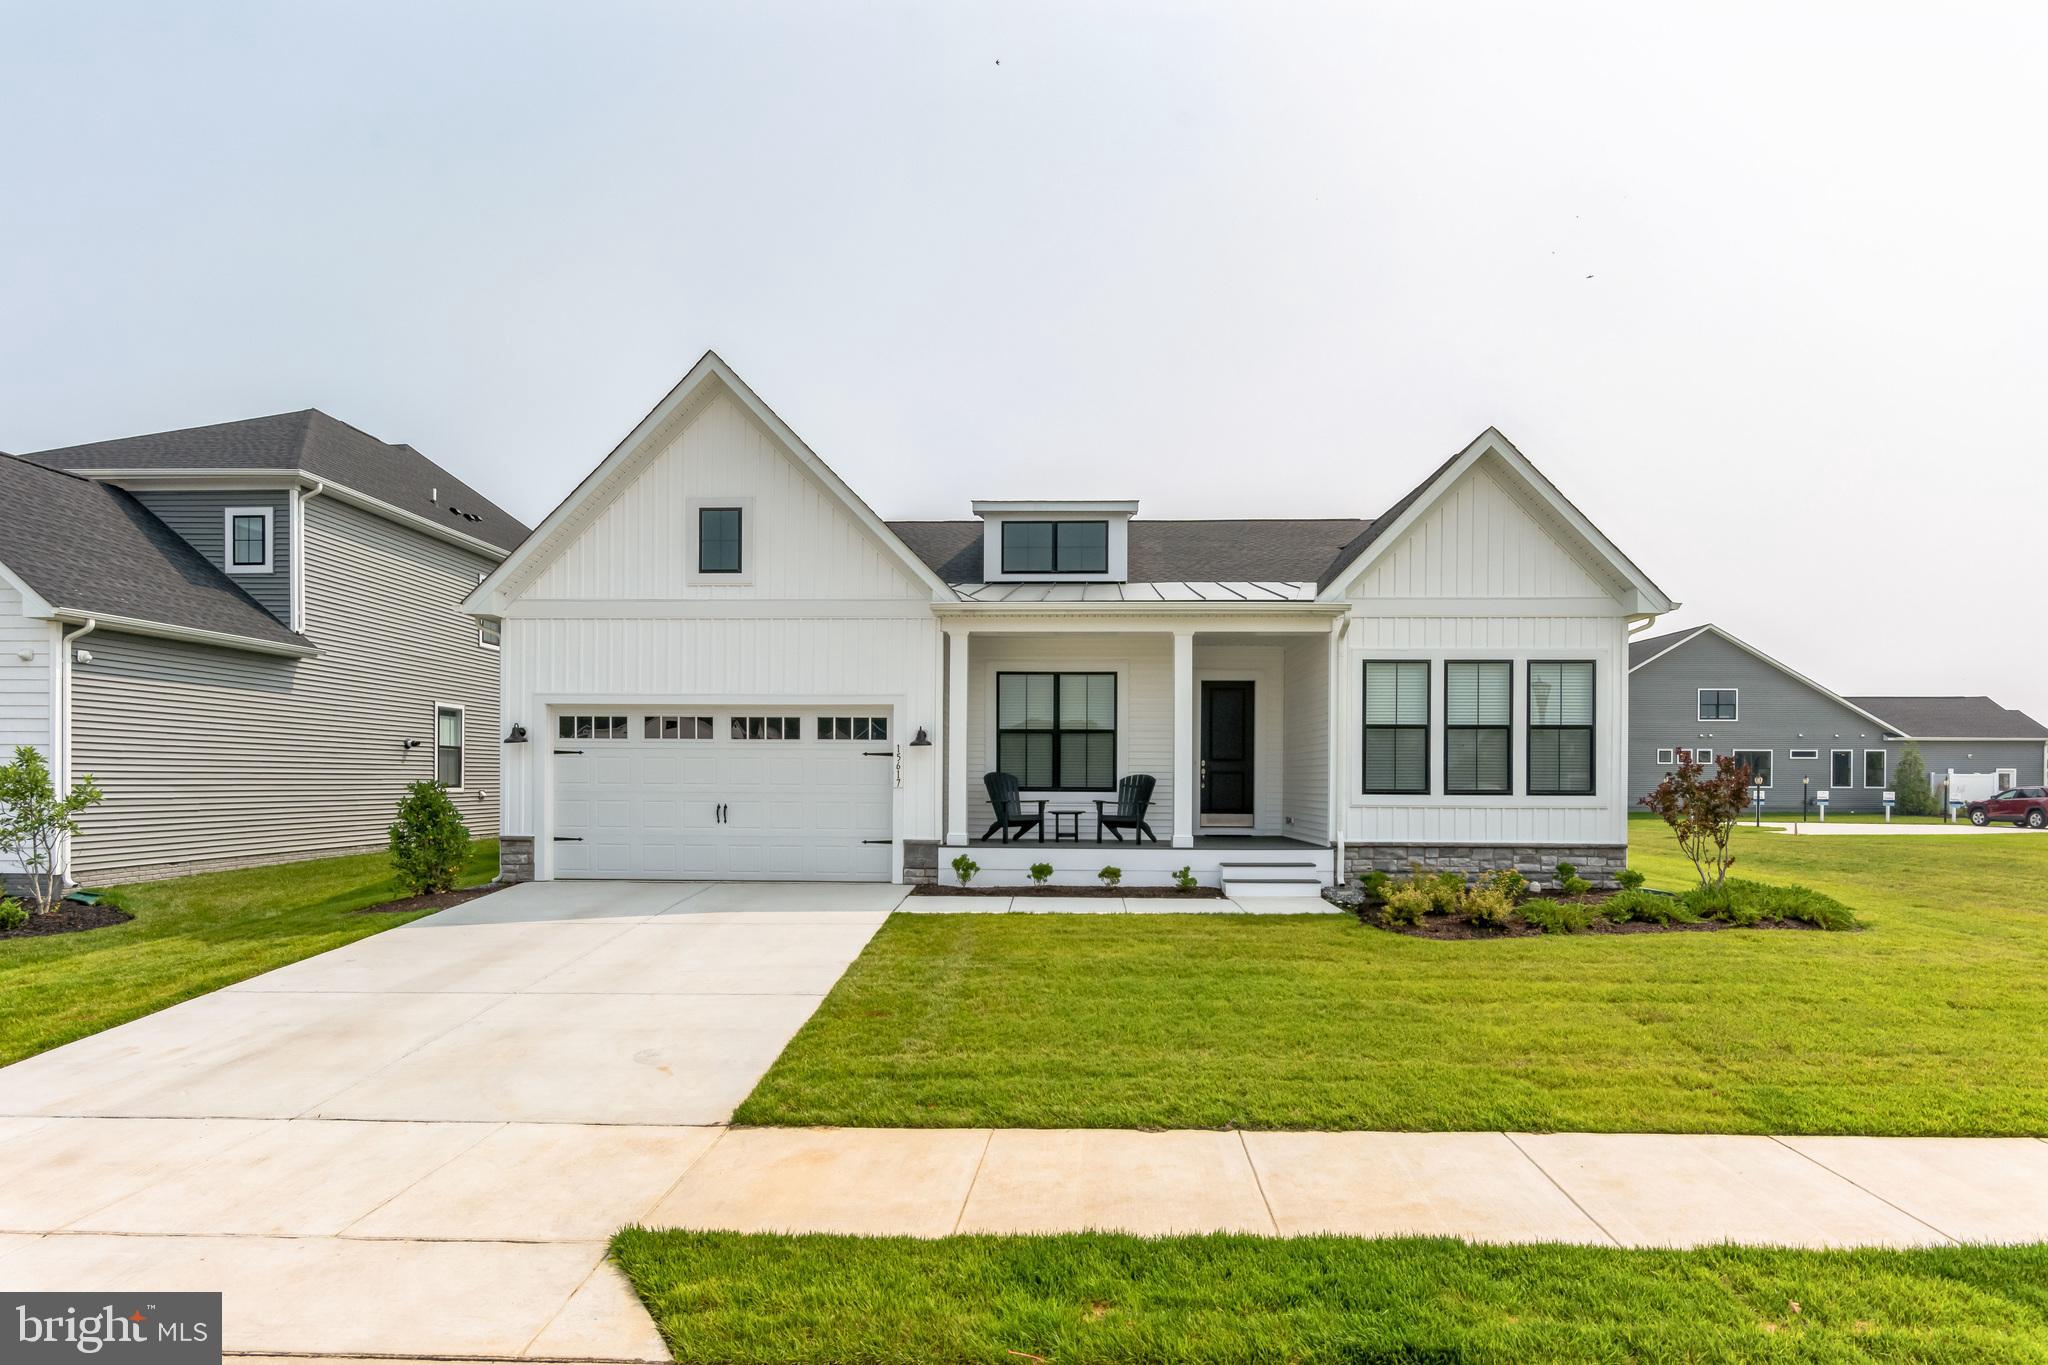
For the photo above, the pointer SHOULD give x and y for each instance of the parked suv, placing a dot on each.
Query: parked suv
(2022, 805)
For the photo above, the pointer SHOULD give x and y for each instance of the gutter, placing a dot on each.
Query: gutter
(129, 625)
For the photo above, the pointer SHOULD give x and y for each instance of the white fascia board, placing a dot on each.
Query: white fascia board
(32, 602)
(229, 480)
(1127, 507)
(1647, 598)
(1683, 638)
(491, 598)
(130, 625)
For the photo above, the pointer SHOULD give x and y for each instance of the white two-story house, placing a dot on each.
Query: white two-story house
(718, 661)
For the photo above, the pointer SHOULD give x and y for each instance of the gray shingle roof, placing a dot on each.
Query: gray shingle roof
(91, 548)
(1279, 550)
(1953, 717)
(322, 446)
(1650, 646)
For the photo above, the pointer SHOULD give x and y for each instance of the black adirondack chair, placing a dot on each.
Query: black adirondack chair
(1133, 795)
(1009, 809)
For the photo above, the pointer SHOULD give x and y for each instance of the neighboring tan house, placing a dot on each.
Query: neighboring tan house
(251, 635)
(1709, 693)
(719, 662)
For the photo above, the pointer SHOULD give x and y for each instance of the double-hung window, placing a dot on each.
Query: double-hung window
(1873, 769)
(1057, 731)
(1758, 761)
(1842, 762)
(248, 539)
(1718, 703)
(1055, 547)
(448, 745)
(1560, 727)
(1396, 757)
(1478, 714)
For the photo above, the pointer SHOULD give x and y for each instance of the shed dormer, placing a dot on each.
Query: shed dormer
(1055, 542)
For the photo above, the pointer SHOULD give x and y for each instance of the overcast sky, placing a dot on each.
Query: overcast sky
(1762, 287)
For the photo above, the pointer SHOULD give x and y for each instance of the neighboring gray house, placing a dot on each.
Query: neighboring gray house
(251, 635)
(1704, 690)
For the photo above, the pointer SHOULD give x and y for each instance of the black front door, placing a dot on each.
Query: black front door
(1227, 748)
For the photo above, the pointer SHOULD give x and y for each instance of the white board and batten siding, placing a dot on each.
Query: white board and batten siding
(822, 619)
(217, 755)
(27, 653)
(1486, 574)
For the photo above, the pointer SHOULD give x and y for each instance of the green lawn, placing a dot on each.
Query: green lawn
(191, 935)
(1934, 1020)
(1102, 1297)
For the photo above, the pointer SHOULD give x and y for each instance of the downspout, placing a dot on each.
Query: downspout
(299, 556)
(62, 730)
(1334, 710)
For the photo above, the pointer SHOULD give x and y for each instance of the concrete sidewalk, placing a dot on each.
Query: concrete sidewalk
(1608, 1189)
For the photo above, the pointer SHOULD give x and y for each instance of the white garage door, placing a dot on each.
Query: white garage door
(756, 793)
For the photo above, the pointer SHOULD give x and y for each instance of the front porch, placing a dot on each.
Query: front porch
(1229, 718)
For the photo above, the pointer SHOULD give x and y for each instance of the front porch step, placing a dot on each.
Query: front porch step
(1241, 888)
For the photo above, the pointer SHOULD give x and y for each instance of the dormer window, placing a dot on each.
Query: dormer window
(248, 539)
(1055, 547)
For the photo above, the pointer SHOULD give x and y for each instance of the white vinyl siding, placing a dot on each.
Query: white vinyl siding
(1305, 727)
(26, 650)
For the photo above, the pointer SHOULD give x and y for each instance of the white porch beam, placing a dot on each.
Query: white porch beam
(956, 734)
(1185, 796)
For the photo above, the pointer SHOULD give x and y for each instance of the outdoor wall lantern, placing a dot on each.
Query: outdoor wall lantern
(923, 740)
(518, 735)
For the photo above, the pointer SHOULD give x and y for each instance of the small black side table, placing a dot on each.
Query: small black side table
(1066, 824)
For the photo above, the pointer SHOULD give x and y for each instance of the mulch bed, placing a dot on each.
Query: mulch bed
(1200, 893)
(440, 900)
(70, 917)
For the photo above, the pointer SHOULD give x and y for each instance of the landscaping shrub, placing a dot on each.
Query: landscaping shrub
(1184, 879)
(1509, 883)
(1800, 903)
(1445, 890)
(35, 820)
(1407, 903)
(1569, 882)
(429, 842)
(1375, 884)
(13, 914)
(1489, 907)
(1630, 879)
(1644, 907)
(1041, 873)
(1555, 917)
(1720, 902)
(1916, 794)
(1111, 875)
(964, 868)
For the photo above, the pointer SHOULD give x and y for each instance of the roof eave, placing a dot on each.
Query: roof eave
(135, 625)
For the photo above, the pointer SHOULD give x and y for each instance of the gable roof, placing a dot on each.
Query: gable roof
(1284, 550)
(1954, 717)
(1679, 639)
(1385, 530)
(321, 446)
(1648, 647)
(89, 549)
(560, 525)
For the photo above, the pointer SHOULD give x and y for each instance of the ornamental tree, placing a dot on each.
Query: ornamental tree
(35, 821)
(1702, 811)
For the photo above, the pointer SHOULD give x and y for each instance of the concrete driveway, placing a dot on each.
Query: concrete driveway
(418, 1144)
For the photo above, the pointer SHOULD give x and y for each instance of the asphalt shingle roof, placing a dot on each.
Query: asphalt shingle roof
(1953, 717)
(322, 446)
(92, 548)
(1277, 551)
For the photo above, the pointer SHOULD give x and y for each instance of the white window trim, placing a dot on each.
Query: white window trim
(1667, 758)
(482, 643)
(2004, 781)
(1700, 707)
(1802, 755)
(1832, 754)
(1703, 756)
(1774, 763)
(434, 746)
(227, 542)
(750, 543)
(1878, 785)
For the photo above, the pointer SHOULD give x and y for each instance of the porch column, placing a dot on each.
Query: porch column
(956, 734)
(1186, 793)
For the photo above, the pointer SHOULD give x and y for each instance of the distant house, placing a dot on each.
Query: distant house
(1705, 691)
(250, 634)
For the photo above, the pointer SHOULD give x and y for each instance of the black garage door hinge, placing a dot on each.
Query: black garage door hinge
(878, 841)
(878, 753)
(568, 838)
(568, 751)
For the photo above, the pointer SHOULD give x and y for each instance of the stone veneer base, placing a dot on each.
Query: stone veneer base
(1597, 863)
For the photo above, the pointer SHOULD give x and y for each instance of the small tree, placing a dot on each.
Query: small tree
(1916, 792)
(1702, 812)
(429, 842)
(35, 821)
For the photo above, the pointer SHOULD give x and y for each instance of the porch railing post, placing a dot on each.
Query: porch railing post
(1185, 783)
(956, 734)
